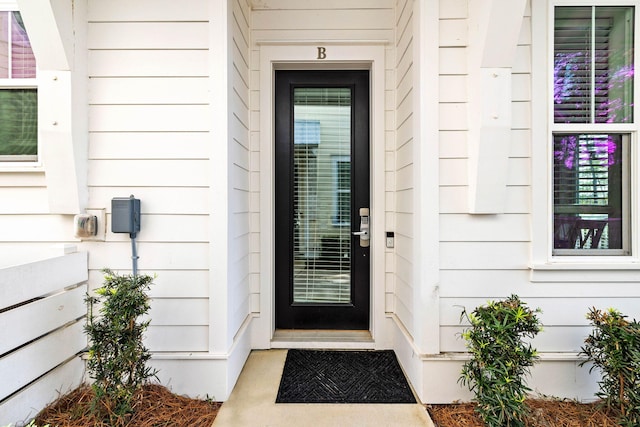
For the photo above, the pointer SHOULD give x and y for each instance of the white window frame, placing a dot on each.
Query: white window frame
(28, 163)
(545, 266)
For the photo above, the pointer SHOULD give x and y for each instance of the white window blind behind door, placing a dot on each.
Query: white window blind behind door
(321, 197)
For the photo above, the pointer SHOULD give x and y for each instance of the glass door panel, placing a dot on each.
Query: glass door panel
(322, 195)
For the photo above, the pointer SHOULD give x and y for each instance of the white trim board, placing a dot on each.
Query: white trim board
(340, 55)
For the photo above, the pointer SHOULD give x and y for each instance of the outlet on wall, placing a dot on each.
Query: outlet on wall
(101, 233)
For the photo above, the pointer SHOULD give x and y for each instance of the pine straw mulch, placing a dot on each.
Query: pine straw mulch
(155, 406)
(544, 413)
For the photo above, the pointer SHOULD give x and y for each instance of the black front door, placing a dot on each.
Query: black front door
(321, 199)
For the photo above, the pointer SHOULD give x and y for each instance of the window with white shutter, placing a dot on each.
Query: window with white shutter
(592, 137)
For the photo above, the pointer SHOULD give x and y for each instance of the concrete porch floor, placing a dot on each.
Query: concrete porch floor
(252, 403)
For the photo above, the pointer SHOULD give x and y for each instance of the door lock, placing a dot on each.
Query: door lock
(364, 228)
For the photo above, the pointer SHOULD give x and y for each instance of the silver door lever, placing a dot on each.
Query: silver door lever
(364, 228)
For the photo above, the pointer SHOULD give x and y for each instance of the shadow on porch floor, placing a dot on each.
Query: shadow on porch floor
(252, 403)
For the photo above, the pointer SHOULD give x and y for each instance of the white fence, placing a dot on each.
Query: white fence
(42, 314)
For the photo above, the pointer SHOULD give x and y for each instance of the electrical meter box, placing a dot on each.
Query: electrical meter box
(125, 215)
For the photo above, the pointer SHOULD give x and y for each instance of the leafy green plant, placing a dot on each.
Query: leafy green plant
(614, 348)
(500, 358)
(117, 357)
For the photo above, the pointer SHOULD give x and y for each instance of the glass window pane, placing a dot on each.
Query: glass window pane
(593, 64)
(4, 45)
(572, 65)
(18, 122)
(588, 191)
(322, 195)
(23, 62)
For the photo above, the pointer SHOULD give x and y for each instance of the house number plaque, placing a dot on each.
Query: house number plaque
(322, 52)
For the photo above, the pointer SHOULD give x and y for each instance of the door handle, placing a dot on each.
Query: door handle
(364, 228)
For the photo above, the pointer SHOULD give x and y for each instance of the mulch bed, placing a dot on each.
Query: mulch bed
(155, 406)
(544, 413)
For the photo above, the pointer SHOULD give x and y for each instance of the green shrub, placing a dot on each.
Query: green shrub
(499, 359)
(117, 357)
(614, 348)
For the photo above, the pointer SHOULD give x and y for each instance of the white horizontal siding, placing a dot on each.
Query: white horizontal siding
(179, 312)
(322, 34)
(453, 9)
(154, 256)
(24, 200)
(563, 317)
(484, 228)
(553, 339)
(149, 173)
(167, 229)
(36, 228)
(148, 35)
(316, 19)
(144, 63)
(149, 11)
(149, 145)
(453, 200)
(22, 179)
(177, 338)
(158, 200)
(240, 167)
(484, 255)
(189, 284)
(557, 311)
(403, 169)
(155, 118)
(336, 5)
(167, 90)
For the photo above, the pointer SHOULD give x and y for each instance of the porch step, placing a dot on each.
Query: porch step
(313, 338)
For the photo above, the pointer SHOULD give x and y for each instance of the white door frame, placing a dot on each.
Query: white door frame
(321, 55)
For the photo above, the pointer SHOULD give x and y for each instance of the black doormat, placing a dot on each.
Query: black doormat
(326, 376)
